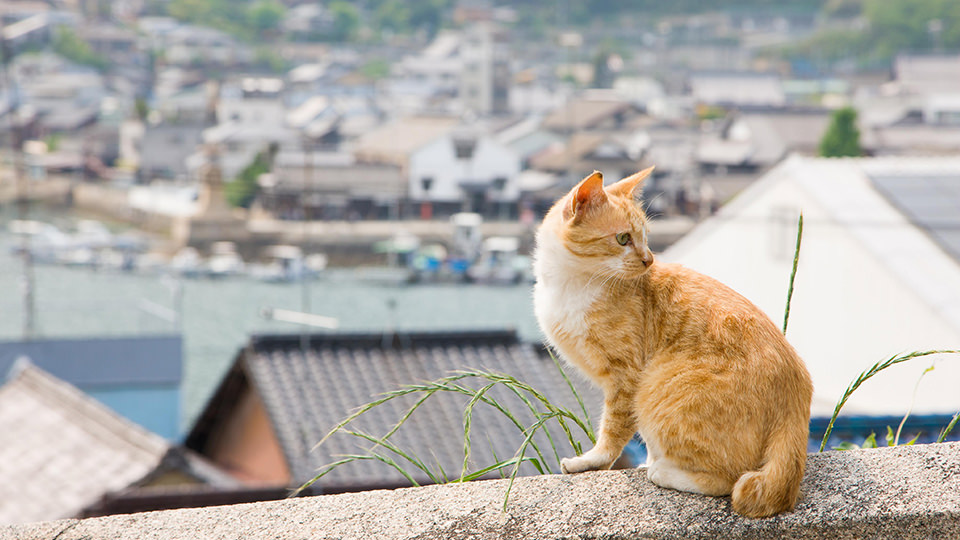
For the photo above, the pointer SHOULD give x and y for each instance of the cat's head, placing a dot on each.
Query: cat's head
(603, 228)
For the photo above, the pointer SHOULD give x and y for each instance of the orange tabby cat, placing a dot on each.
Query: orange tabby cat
(706, 378)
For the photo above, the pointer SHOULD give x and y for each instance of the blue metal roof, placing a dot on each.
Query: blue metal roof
(91, 362)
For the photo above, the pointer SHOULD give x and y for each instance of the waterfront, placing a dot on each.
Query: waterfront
(218, 315)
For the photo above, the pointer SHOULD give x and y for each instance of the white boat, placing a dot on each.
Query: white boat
(284, 263)
(224, 260)
(500, 262)
(187, 263)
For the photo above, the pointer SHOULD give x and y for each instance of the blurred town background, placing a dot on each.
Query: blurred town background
(225, 224)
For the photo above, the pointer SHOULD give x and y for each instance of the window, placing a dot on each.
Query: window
(464, 148)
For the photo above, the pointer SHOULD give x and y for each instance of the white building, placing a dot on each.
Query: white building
(465, 170)
(251, 116)
(878, 274)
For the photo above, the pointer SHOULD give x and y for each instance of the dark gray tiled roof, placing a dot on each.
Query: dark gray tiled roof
(306, 395)
(932, 202)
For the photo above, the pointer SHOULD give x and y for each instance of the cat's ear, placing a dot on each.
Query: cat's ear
(631, 185)
(588, 193)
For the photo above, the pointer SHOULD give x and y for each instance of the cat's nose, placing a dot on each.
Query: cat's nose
(647, 257)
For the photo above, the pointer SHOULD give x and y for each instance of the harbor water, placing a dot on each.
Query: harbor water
(216, 317)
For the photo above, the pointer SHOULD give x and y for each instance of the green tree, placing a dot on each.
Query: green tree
(346, 20)
(393, 15)
(243, 190)
(68, 44)
(842, 137)
(142, 109)
(265, 15)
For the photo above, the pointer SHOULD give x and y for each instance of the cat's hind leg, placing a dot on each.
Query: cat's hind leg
(665, 473)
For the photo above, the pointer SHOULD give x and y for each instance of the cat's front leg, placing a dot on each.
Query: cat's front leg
(616, 429)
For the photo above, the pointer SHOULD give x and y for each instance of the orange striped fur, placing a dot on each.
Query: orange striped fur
(720, 398)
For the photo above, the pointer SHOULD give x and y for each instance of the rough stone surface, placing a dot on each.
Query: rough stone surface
(905, 492)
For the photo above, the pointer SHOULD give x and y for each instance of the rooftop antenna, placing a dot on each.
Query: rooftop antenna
(22, 195)
(299, 317)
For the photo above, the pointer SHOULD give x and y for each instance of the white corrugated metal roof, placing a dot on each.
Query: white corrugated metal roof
(871, 284)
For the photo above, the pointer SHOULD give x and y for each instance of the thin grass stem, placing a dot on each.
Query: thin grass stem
(863, 377)
(793, 273)
(573, 390)
(948, 428)
(532, 430)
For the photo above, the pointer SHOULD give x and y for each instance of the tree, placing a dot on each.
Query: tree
(393, 15)
(842, 137)
(346, 20)
(265, 15)
(69, 45)
(243, 190)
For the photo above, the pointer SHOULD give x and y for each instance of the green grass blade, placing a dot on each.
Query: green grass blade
(387, 396)
(522, 451)
(498, 466)
(323, 472)
(573, 390)
(948, 428)
(866, 375)
(793, 273)
(468, 421)
(913, 399)
(379, 442)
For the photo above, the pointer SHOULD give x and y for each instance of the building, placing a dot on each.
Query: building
(879, 275)
(137, 377)
(331, 185)
(282, 396)
(754, 141)
(740, 89)
(65, 455)
(486, 77)
(465, 170)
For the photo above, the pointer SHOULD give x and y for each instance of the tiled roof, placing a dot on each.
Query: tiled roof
(585, 114)
(61, 450)
(306, 395)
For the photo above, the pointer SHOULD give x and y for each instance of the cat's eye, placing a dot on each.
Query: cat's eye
(623, 238)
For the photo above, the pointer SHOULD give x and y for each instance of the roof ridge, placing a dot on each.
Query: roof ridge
(394, 339)
(73, 401)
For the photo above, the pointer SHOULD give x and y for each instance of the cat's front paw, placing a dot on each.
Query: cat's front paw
(586, 462)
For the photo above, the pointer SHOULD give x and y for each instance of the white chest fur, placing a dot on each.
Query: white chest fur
(562, 296)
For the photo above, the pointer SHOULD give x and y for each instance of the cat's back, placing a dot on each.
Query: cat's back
(700, 311)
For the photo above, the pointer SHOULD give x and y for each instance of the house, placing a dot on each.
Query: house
(926, 74)
(250, 118)
(740, 89)
(593, 112)
(281, 397)
(330, 185)
(394, 142)
(465, 170)
(137, 377)
(163, 149)
(617, 154)
(752, 141)
(917, 112)
(64, 454)
(486, 78)
(879, 275)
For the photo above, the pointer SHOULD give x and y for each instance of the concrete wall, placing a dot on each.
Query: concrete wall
(905, 492)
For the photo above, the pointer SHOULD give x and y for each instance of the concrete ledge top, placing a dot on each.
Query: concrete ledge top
(904, 492)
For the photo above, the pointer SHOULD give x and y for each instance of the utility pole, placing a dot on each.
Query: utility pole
(305, 197)
(22, 187)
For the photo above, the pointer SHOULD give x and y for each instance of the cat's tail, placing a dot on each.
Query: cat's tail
(775, 487)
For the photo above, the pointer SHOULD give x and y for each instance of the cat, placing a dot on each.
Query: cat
(720, 398)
